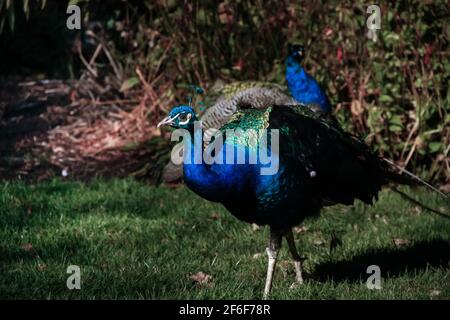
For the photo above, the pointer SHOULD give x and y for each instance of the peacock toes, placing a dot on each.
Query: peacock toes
(297, 259)
(272, 253)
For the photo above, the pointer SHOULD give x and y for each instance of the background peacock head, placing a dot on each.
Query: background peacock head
(296, 53)
(181, 117)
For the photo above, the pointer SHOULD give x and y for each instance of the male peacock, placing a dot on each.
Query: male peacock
(318, 164)
(302, 86)
(223, 101)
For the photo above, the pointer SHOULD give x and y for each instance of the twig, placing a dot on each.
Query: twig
(411, 152)
(113, 63)
(164, 55)
(115, 101)
(86, 64)
(96, 52)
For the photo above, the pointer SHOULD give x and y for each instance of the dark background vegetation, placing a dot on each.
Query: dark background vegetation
(393, 92)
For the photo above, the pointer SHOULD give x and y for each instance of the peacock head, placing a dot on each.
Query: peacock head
(296, 53)
(181, 117)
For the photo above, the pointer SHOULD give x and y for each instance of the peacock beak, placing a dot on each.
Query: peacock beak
(166, 121)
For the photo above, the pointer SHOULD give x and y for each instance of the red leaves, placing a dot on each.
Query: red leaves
(339, 55)
(239, 66)
(327, 32)
(226, 15)
(427, 55)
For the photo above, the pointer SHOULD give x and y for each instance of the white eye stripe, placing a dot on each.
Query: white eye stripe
(176, 116)
(188, 117)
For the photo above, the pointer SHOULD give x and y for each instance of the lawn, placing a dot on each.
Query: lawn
(135, 241)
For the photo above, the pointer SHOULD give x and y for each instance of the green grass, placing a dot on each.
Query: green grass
(134, 241)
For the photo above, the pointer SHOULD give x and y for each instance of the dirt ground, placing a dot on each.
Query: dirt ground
(54, 128)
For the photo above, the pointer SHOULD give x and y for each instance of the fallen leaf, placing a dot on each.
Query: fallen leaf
(318, 239)
(214, 216)
(318, 242)
(401, 242)
(180, 222)
(435, 293)
(257, 255)
(27, 247)
(201, 278)
(41, 266)
(416, 210)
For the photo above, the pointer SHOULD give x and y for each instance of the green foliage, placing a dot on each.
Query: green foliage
(133, 241)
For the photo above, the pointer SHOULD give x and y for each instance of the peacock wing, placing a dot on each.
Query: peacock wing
(340, 166)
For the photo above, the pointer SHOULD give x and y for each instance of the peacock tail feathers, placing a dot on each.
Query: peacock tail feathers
(343, 166)
(313, 143)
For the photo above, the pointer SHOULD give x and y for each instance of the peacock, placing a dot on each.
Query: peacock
(302, 86)
(317, 164)
(222, 99)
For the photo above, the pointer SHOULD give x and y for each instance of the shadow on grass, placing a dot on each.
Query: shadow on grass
(392, 262)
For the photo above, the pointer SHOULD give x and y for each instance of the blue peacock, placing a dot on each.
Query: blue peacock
(302, 86)
(222, 98)
(318, 165)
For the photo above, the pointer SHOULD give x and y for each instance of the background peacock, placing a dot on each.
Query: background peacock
(223, 97)
(318, 165)
(302, 86)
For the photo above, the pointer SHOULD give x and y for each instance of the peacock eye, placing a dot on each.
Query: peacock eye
(183, 117)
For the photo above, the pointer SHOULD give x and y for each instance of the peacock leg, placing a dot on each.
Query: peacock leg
(295, 256)
(272, 253)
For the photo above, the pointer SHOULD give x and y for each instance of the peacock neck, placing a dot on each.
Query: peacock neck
(297, 79)
(304, 88)
(197, 174)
